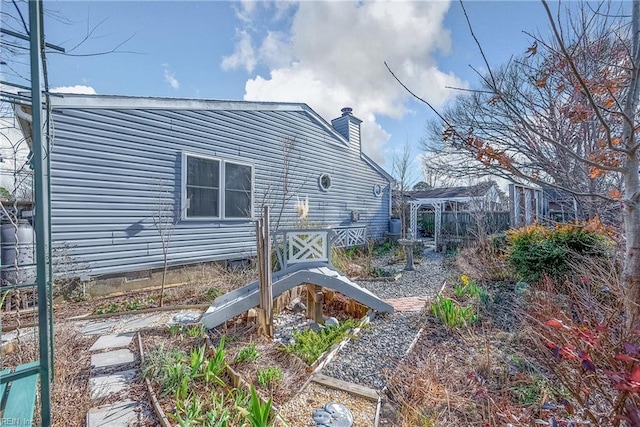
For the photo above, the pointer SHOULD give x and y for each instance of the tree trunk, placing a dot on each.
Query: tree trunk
(631, 211)
(631, 272)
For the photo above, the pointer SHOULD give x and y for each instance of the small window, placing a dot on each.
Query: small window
(217, 189)
(377, 190)
(325, 181)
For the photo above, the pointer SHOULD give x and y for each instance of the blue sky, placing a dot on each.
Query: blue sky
(327, 54)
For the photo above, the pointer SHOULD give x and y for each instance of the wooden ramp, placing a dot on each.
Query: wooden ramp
(237, 302)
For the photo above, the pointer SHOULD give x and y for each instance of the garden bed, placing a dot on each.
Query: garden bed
(275, 370)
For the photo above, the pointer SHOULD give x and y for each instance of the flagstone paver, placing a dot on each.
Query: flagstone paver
(105, 385)
(110, 354)
(119, 414)
(112, 358)
(98, 327)
(112, 341)
(140, 322)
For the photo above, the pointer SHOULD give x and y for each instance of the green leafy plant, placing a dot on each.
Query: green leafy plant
(383, 249)
(197, 359)
(259, 412)
(212, 293)
(135, 305)
(189, 412)
(197, 331)
(309, 345)
(269, 376)
(109, 308)
(175, 329)
(451, 314)
(217, 415)
(467, 288)
(215, 365)
(248, 353)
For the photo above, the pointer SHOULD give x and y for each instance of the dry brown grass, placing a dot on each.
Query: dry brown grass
(70, 397)
(458, 378)
(483, 262)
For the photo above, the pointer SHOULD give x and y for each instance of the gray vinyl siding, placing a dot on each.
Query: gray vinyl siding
(106, 165)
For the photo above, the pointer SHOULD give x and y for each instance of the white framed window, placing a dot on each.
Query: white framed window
(377, 190)
(215, 188)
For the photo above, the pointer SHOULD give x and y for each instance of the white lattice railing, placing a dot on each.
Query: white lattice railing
(347, 237)
(300, 246)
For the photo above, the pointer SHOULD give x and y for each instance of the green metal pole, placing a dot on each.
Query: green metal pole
(41, 209)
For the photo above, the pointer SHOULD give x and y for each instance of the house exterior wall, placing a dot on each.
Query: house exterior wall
(108, 164)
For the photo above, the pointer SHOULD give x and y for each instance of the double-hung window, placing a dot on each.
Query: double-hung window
(215, 188)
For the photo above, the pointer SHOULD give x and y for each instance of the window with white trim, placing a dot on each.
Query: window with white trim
(216, 188)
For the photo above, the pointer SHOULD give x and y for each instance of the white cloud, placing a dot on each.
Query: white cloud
(332, 55)
(79, 89)
(170, 77)
(243, 55)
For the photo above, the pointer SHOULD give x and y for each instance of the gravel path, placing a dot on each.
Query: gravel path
(425, 280)
(380, 347)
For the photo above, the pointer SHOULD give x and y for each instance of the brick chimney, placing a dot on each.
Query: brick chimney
(348, 126)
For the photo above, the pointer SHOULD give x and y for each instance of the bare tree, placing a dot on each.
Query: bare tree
(281, 191)
(566, 115)
(165, 218)
(405, 177)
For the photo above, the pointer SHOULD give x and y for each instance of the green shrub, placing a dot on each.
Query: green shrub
(536, 251)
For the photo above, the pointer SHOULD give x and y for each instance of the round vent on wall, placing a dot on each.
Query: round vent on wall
(324, 181)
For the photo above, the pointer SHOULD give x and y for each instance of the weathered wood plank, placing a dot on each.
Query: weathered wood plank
(334, 383)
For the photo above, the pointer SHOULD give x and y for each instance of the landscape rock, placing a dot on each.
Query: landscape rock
(299, 307)
(331, 322)
(316, 327)
(186, 318)
(333, 415)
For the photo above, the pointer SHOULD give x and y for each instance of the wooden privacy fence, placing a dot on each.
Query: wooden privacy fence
(464, 224)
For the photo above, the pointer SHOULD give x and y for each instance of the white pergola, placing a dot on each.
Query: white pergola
(438, 207)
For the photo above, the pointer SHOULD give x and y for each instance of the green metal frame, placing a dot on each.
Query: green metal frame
(42, 215)
(42, 225)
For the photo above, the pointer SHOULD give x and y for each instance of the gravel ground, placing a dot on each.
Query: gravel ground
(425, 280)
(380, 347)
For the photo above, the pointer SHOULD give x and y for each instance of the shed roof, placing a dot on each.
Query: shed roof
(445, 193)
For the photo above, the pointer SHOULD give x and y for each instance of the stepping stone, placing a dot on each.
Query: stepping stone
(115, 415)
(98, 328)
(141, 321)
(112, 341)
(112, 358)
(104, 385)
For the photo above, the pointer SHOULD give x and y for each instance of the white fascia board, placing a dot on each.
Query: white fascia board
(135, 102)
(448, 199)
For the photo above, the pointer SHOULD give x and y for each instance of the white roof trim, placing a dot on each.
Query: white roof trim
(446, 199)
